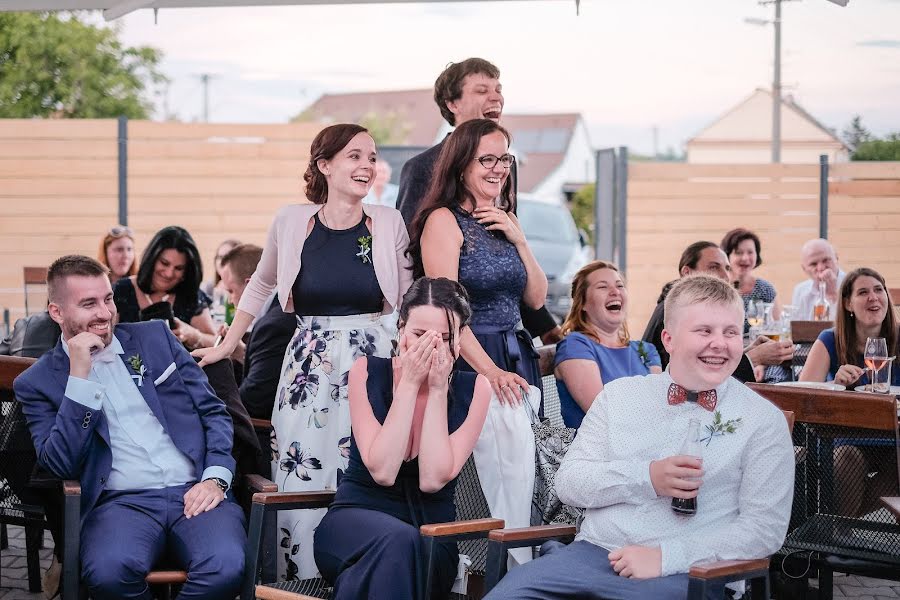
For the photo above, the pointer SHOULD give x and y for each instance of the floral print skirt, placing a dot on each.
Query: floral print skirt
(311, 420)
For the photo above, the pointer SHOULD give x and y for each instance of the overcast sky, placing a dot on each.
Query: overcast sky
(626, 65)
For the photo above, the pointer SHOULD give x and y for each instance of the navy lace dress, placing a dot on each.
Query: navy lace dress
(368, 544)
(494, 276)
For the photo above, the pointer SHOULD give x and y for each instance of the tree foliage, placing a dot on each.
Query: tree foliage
(582, 209)
(856, 133)
(60, 65)
(883, 149)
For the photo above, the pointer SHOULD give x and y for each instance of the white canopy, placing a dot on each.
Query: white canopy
(113, 9)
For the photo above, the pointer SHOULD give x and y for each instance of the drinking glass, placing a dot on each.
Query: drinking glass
(755, 313)
(876, 357)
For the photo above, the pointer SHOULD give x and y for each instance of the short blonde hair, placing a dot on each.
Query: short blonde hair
(699, 289)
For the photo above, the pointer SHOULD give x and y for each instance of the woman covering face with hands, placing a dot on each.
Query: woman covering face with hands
(465, 230)
(415, 420)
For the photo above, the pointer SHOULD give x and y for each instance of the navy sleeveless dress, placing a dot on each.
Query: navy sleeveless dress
(368, 544)
(494, 276)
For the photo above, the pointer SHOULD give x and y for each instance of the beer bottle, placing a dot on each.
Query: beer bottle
(690, 447)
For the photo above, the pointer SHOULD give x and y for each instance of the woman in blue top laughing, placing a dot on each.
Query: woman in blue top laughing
(597, 348)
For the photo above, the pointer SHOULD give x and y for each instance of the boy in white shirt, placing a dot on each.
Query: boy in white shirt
(624, 467)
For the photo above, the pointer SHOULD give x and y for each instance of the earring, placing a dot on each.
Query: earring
(852, 316)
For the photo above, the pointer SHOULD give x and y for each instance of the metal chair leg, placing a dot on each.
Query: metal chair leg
(32, 557)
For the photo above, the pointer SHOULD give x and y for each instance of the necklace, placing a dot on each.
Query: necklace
(164, 298)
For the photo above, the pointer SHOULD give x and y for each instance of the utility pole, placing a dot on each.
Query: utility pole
(776, 88)
(205, 78)
(655, 142)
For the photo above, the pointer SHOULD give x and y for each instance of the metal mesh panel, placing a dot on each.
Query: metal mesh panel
(317, 588)
(551, 401)
(841, 473)
(17, 459)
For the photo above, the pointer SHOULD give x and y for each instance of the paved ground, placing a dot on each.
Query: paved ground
(14, 580)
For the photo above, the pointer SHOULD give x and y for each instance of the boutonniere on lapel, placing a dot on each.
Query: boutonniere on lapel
(365, 248)
(642, 353)
(719, 427)
(137, 365)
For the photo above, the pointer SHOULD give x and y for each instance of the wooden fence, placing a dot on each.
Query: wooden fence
(59, 194)
(59, 186)
(671, 205)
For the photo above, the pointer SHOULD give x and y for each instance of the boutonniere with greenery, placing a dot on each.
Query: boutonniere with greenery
(720, 427)
(642, 353)
(365, 248)
(137, 365)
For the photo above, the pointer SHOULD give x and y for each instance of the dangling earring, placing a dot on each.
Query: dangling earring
(852, 316)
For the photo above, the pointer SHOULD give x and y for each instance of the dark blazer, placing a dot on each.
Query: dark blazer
(271, 334)
(72, 441)
(414, 180)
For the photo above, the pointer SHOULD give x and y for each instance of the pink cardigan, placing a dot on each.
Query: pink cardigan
(280, 262)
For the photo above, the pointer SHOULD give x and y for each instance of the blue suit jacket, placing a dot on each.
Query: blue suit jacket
(72, 441)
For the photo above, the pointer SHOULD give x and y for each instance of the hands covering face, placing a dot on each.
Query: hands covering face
(426, 358)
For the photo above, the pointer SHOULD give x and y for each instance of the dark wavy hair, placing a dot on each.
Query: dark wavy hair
(177, 238)
(447, 189)
(449, 84)
(734, 238)
(441, 292)
(325, 145)
(845, 342)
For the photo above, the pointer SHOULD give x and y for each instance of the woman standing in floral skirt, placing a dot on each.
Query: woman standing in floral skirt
(340, 266)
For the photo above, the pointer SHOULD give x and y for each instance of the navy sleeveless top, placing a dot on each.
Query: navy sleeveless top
(403, 500)
(493, 273)
(337, 275)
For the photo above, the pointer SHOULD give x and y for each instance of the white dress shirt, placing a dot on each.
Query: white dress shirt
(805, 295)
(143, 455)
(745, 498)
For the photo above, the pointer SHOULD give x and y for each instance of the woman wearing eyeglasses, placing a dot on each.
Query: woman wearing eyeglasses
(117, 253)
(466, 230)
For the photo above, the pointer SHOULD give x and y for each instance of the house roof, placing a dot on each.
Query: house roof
(742, 122)
(412, 114)
(540, 143)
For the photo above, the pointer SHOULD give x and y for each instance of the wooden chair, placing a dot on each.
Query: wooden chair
(894, 293)
(807, 332)
(701, 576)
(32, 276)
(836, 523)
(163, 580)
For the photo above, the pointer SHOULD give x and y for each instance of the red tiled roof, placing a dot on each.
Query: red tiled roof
(418, 118)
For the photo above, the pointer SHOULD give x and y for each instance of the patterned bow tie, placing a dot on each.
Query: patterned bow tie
(678, 394)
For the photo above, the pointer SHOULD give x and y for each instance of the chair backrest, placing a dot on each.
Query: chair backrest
(894, 293)
(807, 332)
(10, 368)
(32, 276)
(17, 455)
(847, 449)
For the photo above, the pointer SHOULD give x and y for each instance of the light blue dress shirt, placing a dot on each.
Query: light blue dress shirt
(143, 455)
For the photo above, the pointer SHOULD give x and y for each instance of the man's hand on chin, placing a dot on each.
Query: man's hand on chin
(636, 562)
(202, 497)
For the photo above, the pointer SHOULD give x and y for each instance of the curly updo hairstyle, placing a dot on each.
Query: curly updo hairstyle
(325, 146)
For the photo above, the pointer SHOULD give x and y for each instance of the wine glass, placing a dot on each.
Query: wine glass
(875, 358)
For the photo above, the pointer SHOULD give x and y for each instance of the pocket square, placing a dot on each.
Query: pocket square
(169, 370)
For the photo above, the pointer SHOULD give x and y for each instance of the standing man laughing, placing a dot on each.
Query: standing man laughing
(466, 90)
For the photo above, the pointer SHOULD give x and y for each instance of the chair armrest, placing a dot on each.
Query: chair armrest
(261, 423)
(165, 577)
(461, 527)
(892, 504)
(71, 487)
(732, 569)
(291, 500)
(538, 533)
(258, 483)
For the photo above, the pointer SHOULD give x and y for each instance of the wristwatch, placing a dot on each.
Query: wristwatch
(223, 485)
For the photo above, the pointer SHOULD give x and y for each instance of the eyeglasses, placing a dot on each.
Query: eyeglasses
(120, 231)
(489, 160)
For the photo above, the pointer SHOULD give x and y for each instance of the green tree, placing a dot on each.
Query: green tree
(856, 133)
(58, 65)
(582, 208)
(387, 128)
(875, 149)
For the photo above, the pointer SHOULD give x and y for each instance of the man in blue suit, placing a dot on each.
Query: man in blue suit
(125, 410)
